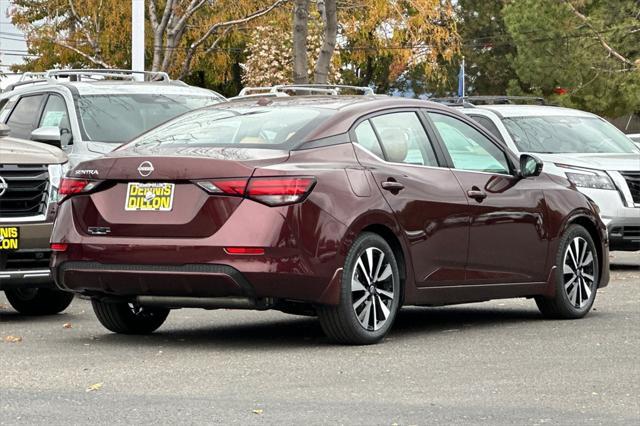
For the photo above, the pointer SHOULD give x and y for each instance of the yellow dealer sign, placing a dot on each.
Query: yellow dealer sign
(9, 238)
(149, 196)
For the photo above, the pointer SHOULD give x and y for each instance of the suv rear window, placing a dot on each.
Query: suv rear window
(277, 128)
(120, 118)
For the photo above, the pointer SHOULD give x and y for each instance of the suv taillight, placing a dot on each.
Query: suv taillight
(273, 191)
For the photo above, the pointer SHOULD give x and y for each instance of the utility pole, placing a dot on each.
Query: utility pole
(137, 35)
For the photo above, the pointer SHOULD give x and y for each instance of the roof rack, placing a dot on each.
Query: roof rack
(490, 100)
(102, 74)
(303, 89)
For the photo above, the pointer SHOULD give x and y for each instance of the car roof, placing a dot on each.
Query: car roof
(114, 87)
(532, 111)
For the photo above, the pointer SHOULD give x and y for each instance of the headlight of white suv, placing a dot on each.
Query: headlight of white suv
(585, 178)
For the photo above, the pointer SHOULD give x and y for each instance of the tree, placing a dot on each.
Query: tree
(388, 42)
(300, 34)
(98, 32)
(579, 53)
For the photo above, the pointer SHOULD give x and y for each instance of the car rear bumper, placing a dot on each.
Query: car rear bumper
(191, 281)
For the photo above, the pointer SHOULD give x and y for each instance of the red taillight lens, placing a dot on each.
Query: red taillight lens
(224, 186)
(244, 250)
(281, 190)
(59, 246)
(72, 186)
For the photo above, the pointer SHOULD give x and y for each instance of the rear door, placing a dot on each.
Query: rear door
(426, 198)
(507, 239)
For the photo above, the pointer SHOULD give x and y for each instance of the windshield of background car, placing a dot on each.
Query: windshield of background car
(559, 134)
(120, 118)
(277, 128)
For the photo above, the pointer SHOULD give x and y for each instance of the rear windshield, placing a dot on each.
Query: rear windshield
(120, 118)
(277, 128)
(561, 134)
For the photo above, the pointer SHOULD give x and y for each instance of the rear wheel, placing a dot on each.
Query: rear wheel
(370, 294)
(577, 272)
(127, 318)
(38, 301)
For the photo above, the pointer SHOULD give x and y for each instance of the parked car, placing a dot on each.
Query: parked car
(90, 112)
(586, 149)
(342, 207)
(29, 178)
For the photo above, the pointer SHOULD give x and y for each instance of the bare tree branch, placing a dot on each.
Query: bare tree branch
(300, 33)
(191, 50)
(599, 36)
(88, 57)
(330, 32)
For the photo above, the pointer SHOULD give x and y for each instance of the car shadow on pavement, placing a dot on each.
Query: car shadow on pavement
(303, 332)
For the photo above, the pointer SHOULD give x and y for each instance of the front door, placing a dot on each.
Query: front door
(507, 240)
(427, 200)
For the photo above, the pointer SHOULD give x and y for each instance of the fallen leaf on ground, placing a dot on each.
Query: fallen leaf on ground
(258, 411)
(94, 387)
(13, 339)
(66, 325)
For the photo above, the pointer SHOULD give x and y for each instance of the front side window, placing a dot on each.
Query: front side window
(268, 127)
(561, 134)
(22, 120)
(468, 148)
(488, 124)
(404, 139)
(55, 114)
(120, 118)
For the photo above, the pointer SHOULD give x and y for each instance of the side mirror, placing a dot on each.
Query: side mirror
(4, 130)
(47, 134)
(530, 165)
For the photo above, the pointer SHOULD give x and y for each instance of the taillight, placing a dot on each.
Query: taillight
(273, 191)
(75, 186)
(59, 246)
(276, 191)
(224, 186)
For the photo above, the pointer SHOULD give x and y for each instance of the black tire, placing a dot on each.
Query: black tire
(125, 318)
(38, 301)
(341, 323)
(561, 306)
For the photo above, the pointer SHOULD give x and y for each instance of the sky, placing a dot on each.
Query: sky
(12, 43)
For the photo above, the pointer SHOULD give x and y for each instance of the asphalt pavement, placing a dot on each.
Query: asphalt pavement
(492, 363)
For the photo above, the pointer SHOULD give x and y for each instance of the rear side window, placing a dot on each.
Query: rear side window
(488, 124)
(403, 139)
(24, 116)
(277, 128)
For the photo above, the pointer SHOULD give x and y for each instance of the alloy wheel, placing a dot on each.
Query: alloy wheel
(372, 285)
(578, 272)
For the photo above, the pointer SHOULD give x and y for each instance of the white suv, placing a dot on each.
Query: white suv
(91, 112)
(596, 157)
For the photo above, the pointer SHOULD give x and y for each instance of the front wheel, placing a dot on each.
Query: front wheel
(38, 301)
(370, 294)
(577, 275)
(128, 318)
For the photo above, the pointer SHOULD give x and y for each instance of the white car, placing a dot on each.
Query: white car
(635, 138)
(88, 113)
(596, 157)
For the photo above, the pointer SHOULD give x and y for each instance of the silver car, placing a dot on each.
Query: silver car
(91, 112)
(597, 158)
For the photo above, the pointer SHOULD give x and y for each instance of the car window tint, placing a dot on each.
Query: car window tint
(403, 139)
(55, 114)
(23, 117)
(488, 124)
(366, 137)
(469, 149)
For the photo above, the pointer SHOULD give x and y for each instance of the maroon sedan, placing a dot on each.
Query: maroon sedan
(342, 207)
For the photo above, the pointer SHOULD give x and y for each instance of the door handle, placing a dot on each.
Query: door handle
(391, 185)
(477, 194)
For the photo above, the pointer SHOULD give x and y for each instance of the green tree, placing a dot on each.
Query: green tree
(580, 53)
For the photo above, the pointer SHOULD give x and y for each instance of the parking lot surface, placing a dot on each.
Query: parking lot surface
(488, 363)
